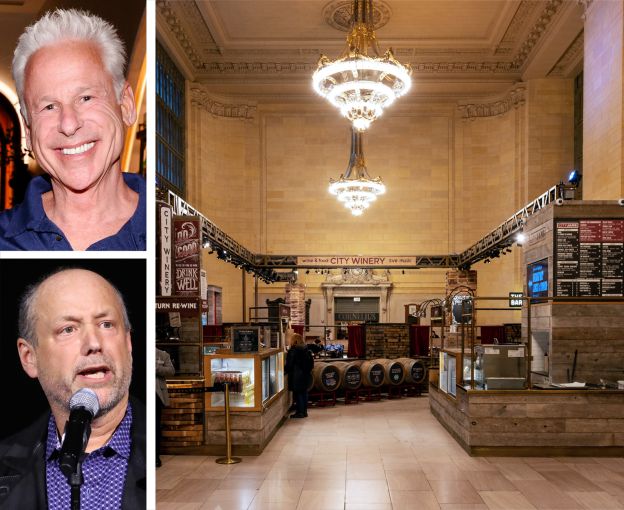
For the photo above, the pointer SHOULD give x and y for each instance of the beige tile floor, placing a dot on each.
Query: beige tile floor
(385, 455)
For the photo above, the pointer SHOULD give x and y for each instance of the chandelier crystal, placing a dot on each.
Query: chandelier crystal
(359, 84)
(355, 188)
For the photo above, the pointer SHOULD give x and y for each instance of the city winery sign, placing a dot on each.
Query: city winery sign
(355, 261)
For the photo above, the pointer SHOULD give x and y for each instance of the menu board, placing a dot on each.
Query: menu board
(245, 340)
(589, 257)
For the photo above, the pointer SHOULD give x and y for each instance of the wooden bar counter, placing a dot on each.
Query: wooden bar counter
(587, 422)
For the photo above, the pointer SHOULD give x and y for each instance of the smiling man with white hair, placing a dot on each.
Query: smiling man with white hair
(68, 69)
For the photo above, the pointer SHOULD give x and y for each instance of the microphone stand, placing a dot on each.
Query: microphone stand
(76, 480)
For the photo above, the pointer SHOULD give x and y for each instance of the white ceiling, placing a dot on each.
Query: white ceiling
(266, 49)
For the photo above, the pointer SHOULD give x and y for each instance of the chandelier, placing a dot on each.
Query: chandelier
(359, 84)
(355, 188)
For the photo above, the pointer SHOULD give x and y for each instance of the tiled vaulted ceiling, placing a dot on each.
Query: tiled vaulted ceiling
(457, 48)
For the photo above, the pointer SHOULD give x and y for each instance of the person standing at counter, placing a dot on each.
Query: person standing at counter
(164, 369)
(299, 365)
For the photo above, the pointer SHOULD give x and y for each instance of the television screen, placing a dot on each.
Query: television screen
(537, 278)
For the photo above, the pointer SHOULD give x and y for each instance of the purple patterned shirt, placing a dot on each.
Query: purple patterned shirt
(104, 470)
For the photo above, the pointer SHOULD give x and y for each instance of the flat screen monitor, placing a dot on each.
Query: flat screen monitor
(537, 278)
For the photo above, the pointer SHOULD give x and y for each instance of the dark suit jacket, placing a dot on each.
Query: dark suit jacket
(22, 466)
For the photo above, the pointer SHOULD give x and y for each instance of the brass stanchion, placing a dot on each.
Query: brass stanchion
(228, 439)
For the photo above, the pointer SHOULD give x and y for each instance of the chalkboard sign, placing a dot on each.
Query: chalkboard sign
(589, 257)
(245, 340)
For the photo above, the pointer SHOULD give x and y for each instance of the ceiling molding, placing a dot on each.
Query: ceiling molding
(571, 59)
(166, 10)
(202, 99)
(523, 25)
(513, 99)
(551, 8)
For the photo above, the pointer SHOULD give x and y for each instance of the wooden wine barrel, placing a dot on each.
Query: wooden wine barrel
(415, 370)
(394, 371)
(350, 375)
(373, 373)
(326, 377)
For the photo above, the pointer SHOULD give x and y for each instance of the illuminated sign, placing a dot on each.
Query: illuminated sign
(515, 300)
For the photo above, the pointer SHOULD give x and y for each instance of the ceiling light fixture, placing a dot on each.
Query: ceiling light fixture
(355, 188)
(359, 84)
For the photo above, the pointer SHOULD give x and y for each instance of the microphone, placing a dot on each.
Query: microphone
(83, 406)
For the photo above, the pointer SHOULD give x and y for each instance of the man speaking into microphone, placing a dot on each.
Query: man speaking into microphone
(74, 337)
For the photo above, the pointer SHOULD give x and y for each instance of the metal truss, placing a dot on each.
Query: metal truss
(502, 236)
(264, 265)
(210, 232)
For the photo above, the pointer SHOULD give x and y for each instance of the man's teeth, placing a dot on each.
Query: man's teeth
(78, 150)
(95, 375)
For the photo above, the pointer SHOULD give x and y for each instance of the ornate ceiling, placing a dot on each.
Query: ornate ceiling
(458, 49)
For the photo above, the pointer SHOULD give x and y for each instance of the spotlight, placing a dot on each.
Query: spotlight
(520, 238)
(575, 177)
(206, 244)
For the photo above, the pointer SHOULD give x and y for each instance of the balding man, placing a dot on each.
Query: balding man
(74, 334)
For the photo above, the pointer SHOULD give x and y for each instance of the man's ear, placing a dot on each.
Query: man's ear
(129, 342)
(128, 107)
(27, 128)
(28, 357)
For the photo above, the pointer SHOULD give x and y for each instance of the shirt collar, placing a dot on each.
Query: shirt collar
(30, 215)
(119, 442)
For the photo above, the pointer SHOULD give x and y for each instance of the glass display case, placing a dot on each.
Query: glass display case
(495, 367)
(453, 367)
(255, 378)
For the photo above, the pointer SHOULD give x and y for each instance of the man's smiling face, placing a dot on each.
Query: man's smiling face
(76, 121)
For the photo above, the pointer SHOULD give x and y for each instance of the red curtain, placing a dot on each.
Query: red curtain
(355, 346)
(489, 333)
(419, 340)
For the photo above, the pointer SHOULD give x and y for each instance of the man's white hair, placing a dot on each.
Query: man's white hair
(69, 25)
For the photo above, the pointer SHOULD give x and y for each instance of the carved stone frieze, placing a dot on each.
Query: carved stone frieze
(259, 67)
(513, 99)
(166, 9)
(202, 99)
(518, 22)
(339, 12)
(358, 277)
(551, 8)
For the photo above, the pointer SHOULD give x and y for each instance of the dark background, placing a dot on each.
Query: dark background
(21, 398)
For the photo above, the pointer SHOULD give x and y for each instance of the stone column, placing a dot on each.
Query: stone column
(603, 101)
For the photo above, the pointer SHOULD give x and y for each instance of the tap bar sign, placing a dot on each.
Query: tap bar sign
(356, 261)
(186, 254)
